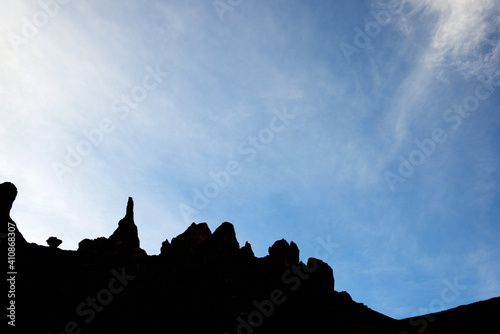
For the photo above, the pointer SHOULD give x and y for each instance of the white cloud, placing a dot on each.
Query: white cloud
(453, 37)
(465, 35)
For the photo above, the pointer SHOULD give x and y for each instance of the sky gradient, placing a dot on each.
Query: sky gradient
(367, 132)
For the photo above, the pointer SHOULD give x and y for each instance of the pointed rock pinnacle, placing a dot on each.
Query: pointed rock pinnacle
(127, 230)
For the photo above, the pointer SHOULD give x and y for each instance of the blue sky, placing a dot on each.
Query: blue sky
(365, 131)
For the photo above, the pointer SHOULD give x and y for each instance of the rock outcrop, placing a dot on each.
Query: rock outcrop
(8, 194)
(281, 251)
(53, 242)
(123, 241)
(189, 241)
(202, 282)
(127, 233)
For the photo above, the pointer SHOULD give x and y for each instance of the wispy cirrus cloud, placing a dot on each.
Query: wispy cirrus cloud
(464, 36)
(461, 37)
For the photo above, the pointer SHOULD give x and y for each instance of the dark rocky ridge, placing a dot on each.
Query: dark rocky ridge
(202, 282)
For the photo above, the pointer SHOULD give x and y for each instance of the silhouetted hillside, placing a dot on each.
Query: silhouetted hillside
(202, 282)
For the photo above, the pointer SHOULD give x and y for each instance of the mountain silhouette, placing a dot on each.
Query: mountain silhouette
(201, 282)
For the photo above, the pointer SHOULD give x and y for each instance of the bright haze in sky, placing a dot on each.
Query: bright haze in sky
(367, 132)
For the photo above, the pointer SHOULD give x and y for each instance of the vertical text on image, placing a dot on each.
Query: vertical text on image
(11, 272)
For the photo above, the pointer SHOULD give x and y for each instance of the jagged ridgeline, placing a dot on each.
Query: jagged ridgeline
(201, 282)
